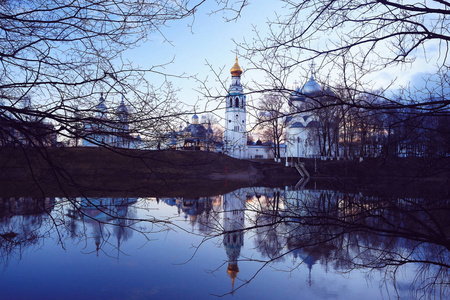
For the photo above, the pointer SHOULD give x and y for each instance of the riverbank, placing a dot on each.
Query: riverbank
(99, 171)
(397, 177)
(418, 168)
(384, 176)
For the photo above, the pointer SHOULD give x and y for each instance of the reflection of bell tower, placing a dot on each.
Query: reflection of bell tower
(233, 240)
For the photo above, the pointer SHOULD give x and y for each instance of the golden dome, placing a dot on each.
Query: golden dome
(236, 69)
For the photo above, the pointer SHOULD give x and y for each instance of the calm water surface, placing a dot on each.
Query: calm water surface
(253, 243)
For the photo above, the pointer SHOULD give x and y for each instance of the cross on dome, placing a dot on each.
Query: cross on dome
(236, 69)
(313, 71)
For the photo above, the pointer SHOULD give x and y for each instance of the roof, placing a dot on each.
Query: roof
(311, 88)
(313, 124)
(297, 125)
(122, 109)
(236, 69)
(101, 107)
(296, 95)
(196, 131)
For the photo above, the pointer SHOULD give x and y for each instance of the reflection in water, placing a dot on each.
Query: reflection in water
(287, 228)
(110, 219)
(233, 225)
(20, 220)
(345, 232)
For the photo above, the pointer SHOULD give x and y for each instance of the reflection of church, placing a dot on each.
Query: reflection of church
(233, 224)
(191, 208)
(233, 207)
(11, 206)
(100, 213)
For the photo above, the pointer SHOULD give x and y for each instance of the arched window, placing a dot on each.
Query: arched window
(231, 102)
(236, 104)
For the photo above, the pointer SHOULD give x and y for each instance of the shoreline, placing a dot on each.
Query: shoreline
(97, 172)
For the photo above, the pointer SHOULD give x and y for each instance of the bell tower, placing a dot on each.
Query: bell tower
(235, 135)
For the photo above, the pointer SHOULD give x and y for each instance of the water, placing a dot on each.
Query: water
(253, 243)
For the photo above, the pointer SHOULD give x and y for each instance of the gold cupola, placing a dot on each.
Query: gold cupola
(236, 69)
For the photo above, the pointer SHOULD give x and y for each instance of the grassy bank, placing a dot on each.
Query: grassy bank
(124, 172)
(427, 169)
(100, 171)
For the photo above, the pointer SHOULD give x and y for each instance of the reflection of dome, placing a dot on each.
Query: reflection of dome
(233, 252)
(236, 69)
(309, 259)
(232, 272)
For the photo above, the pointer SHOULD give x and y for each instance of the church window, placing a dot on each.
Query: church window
(229, 121)
(236, 128)
(243, 121)
(231, 102)
(236, 102)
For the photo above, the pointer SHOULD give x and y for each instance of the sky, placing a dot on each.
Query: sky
(211, 40)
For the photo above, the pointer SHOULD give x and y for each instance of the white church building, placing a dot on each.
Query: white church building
(235, 134)
(302, 125)
(103, 129)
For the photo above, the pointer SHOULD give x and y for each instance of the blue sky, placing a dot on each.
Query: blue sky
(211, 40)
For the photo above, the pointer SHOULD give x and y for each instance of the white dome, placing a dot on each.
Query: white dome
(122, 109)
(311, 87)
(296, 95)
(101, 107)
(195, 119)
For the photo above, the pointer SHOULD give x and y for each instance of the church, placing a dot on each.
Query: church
(307, 119)
(194, 136)
(26, 128)
(235, 134)
(103, 130)
(302, 123)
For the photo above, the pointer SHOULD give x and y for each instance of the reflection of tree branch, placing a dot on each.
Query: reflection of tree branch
(355, 232)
